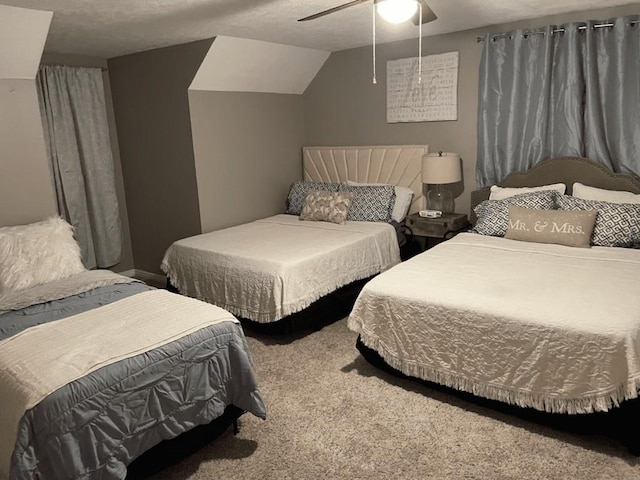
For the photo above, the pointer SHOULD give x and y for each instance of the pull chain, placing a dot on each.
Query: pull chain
(373, 10)
(420, 46)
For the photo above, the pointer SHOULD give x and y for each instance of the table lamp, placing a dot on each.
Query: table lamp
(439, 169)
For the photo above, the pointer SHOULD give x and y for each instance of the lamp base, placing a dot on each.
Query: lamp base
(440, 199)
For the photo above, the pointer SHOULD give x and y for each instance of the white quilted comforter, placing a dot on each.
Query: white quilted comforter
(271, 268)
(545, 326)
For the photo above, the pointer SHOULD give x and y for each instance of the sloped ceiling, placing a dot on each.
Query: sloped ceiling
(241, 65)
(22, 36)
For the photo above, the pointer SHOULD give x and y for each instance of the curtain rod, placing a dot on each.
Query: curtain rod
(104, 69)
(558, 30)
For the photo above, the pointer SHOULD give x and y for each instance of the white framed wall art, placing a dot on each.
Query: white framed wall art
(434, 98)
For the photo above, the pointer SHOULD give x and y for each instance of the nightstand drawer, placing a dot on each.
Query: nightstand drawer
(436, 227)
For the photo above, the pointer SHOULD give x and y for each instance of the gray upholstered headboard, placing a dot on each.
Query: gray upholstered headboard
(392, 164)
(565, 170)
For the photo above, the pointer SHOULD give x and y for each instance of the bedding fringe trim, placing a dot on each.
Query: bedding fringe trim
(270, 317)
(600, 402)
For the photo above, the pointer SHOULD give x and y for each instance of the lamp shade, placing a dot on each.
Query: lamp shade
(396, 11)
(441, 167)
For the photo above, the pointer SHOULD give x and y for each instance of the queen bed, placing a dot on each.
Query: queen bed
(512, 314)
(96, 368)
(269, 269)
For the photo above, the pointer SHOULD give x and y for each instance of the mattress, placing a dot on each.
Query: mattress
(271, 268)
(92, 379)
(550, 327)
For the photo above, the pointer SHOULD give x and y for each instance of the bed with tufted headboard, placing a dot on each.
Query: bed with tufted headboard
(399, 165)
(566, 170)
(536, 307)
(336, 230)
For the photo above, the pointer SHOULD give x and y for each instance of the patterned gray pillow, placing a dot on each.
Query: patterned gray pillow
(298, 191)
(493, 215)
(617, 224)
(323, 206)
(370, 203)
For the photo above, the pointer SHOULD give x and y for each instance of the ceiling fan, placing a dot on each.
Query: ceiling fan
(393, 11)
(427, 13)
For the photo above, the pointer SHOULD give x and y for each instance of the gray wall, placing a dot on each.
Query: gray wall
(248, 151)
(83, 61)
(26, 190)
(342, 107)
(154, 133)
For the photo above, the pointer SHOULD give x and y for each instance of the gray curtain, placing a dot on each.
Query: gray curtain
(546, 93)
(72, 104)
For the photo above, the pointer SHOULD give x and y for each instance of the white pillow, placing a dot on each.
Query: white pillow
(586, 192)
(404, 197)
(37, 253)
(500, 193)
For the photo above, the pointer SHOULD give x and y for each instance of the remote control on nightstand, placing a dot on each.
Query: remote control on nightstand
(430, 213)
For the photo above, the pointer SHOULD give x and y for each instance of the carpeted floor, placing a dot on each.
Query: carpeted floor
(331, 415)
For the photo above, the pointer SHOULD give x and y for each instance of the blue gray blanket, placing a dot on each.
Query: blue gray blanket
(95, 426)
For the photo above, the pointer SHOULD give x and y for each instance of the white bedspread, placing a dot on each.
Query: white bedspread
(41, 359)
(545, 326)
(271, 268)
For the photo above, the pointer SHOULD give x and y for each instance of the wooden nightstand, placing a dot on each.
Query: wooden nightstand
(436, 230)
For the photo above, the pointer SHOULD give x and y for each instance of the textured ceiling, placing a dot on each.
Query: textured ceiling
(109, 28)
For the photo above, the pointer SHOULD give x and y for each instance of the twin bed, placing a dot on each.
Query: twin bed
(97, 368)
(269, 269)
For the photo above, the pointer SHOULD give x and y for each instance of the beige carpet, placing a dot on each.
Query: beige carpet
(331, 415)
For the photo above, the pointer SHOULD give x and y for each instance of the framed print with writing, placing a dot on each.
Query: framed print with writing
(432, 99)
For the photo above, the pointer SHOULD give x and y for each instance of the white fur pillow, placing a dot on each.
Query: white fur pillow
(37, 253)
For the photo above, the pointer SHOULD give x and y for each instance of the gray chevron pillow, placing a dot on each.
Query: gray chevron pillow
(370, 203)
(299, 190)
(617, 224)
(493, 215)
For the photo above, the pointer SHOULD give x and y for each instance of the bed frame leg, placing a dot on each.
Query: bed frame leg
(236, 427)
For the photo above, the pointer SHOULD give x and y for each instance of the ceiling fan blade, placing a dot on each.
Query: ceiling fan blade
(331, 10)
(427, 14)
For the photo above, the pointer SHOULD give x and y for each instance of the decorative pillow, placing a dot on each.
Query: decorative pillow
(370, 203)
(404, 197)
(617, 225)
(37, 253)
(493, 215)
(500, 193)
(586, 192)
(323, 206)
(298, 192)
(571, 228)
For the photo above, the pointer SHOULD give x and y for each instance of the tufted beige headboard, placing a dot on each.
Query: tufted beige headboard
(392, 164)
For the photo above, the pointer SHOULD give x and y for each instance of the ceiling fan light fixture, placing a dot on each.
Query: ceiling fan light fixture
(396, 11)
